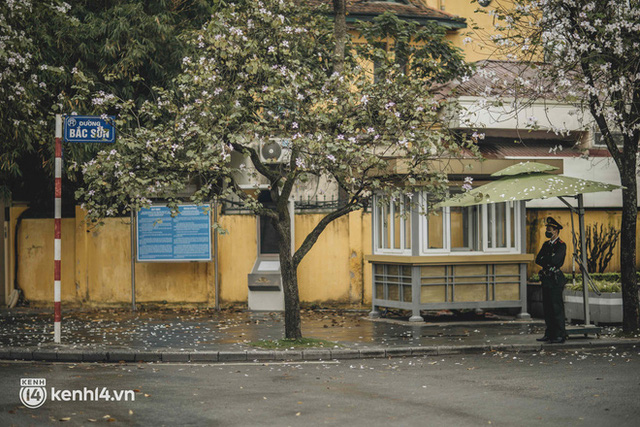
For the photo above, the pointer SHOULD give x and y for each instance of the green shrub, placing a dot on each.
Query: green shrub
(606, 277)
(602, 286)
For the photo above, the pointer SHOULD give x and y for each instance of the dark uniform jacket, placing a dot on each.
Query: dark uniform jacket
(550, 258)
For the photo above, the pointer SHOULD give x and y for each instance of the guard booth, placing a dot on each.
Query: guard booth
(470, 250)
(265, 280)
(448, 258)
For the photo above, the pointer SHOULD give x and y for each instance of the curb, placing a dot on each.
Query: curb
(265, 356)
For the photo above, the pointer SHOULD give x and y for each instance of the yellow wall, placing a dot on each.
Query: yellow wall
(479, 48)
(35, 251)
(96, 263)
(536, 229)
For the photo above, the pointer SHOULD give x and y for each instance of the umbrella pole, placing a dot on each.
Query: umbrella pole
(582, 263)
(583, 246)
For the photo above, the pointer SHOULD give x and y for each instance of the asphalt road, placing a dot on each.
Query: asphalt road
(498, 389)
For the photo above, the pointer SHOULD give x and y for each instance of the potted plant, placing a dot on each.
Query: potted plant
(604, 308)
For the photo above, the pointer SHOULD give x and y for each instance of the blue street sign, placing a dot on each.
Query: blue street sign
(185, 237)
(89, 129)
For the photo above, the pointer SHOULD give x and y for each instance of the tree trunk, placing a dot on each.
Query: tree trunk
(289, 273)
(630, 319)
(340, 34)
(292, 322)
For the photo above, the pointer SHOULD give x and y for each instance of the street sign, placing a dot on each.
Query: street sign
(185, 237)
(89, 129)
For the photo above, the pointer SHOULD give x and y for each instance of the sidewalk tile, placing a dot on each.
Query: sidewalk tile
(424, 351)
(94, 356)
(174, 356)
(70, 355)
(122, 356)
(316, 354)
(448, 349)
(148, 356)
(289, 355)
(22, 353)
(370, 353)
(47, 355)
(261, 355)
(345, 354)
(232, 356)
(398, 352)
(203, 356)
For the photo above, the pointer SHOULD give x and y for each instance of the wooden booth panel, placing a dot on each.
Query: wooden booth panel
(466, 293)
(394, 292)
(507, 291)
(508, 269)
(430, 294)
(470, 274)
(379, 290)
(406, 293)
(430, 272)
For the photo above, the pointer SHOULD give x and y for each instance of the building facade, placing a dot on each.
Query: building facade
(461, 258)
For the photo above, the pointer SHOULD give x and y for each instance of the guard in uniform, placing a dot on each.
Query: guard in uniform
(550, 258)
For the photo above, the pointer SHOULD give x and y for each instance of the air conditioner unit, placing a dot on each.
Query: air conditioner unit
(275, 150)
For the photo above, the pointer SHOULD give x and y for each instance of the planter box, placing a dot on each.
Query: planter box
(606, 308)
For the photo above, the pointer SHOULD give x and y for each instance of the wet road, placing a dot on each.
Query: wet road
(540, 389)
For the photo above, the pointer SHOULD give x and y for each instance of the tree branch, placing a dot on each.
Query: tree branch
(313, 236)
(340, 33)
(245, 197)
(594, 106)
(255, 159)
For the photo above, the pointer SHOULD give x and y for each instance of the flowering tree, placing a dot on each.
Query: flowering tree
(53, 53)
(27, 73)
(586, 53)
(263, 69)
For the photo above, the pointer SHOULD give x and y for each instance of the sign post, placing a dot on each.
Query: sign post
(76, 129)
(57, 232)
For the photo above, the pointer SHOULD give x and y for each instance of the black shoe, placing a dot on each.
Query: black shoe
(556, 341)
(543, 339)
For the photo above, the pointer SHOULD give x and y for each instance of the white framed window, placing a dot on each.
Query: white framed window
(502, 231)
(466, 226)
(392, 226)
(493, 228)
(434, 228)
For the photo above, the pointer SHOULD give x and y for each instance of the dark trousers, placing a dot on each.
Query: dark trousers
(553, 311)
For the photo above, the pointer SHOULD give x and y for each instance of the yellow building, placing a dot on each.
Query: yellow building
(96, 263)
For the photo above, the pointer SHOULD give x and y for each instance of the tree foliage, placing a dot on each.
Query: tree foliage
(29, 71)
(55, 54)
(585, 53)
(261, 70)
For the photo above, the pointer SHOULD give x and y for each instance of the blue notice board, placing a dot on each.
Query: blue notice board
(185, 237)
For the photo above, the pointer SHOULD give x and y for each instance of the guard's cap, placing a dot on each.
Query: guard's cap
(553, 223)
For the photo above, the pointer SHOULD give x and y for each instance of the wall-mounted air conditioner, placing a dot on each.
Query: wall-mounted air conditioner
(275, 150)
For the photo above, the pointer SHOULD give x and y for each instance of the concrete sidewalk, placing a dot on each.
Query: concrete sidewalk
(203, 336)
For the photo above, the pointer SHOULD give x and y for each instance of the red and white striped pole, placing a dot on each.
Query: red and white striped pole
(57, 314)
